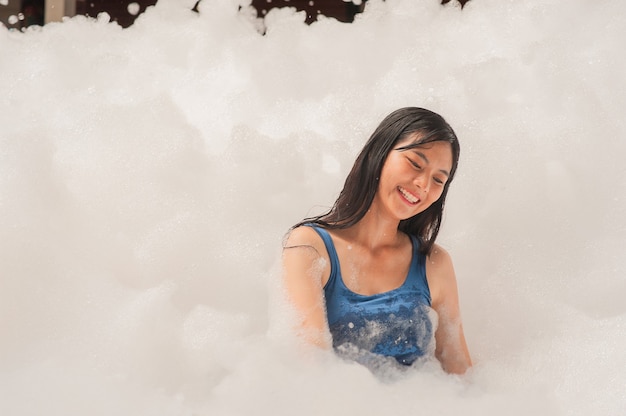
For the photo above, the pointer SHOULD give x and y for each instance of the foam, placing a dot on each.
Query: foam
(147, 177)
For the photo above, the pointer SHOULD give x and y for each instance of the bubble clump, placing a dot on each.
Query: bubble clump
(133, 8)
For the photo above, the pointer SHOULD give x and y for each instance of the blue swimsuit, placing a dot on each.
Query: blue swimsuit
(397, 324)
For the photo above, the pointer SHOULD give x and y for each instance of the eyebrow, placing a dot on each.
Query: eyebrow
(423, 156)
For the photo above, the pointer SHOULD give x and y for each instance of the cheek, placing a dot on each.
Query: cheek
(387, 176)
(435, 194)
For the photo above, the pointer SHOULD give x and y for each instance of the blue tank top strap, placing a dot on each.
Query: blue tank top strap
(417, 273)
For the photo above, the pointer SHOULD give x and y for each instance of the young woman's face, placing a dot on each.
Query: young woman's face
(411, 180)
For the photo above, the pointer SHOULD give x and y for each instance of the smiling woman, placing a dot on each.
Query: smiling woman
(367, 277)
(423, 170)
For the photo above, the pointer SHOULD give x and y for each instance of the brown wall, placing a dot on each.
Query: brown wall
(31, 12)
(117, 9)
(338, 9)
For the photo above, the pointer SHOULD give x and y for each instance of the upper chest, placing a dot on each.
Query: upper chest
(368, 272)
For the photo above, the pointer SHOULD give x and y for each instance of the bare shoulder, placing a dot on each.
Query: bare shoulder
(304, 242)
(439, 260)
(303, 236)
(440, 273)
(303, 249)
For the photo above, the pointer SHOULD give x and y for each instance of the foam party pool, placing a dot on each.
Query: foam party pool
(148, 174)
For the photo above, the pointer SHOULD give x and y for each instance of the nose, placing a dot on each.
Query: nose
(421, 181)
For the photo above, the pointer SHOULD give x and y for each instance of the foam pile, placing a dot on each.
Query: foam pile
(147, 176)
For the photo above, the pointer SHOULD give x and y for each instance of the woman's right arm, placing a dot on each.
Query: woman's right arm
(305, 271)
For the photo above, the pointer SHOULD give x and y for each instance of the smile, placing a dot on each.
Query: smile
(408, 196)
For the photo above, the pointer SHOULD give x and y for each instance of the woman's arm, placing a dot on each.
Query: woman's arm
(451, 348)
(305, 271)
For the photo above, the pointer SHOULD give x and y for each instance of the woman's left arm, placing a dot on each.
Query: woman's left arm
(451, 349)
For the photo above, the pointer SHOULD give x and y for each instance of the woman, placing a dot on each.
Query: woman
(367, 275)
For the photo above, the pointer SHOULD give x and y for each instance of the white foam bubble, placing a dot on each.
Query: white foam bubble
(133, 8)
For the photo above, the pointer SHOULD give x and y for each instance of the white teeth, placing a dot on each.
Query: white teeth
(412, 199)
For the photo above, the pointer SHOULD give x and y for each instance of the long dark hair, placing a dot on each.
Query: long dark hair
(362, 182)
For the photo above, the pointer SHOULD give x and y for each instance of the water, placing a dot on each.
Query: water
(147, 177)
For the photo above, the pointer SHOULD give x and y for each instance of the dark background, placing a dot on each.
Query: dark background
(31, 12)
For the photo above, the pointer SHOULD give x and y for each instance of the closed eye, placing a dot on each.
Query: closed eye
(415, 165)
